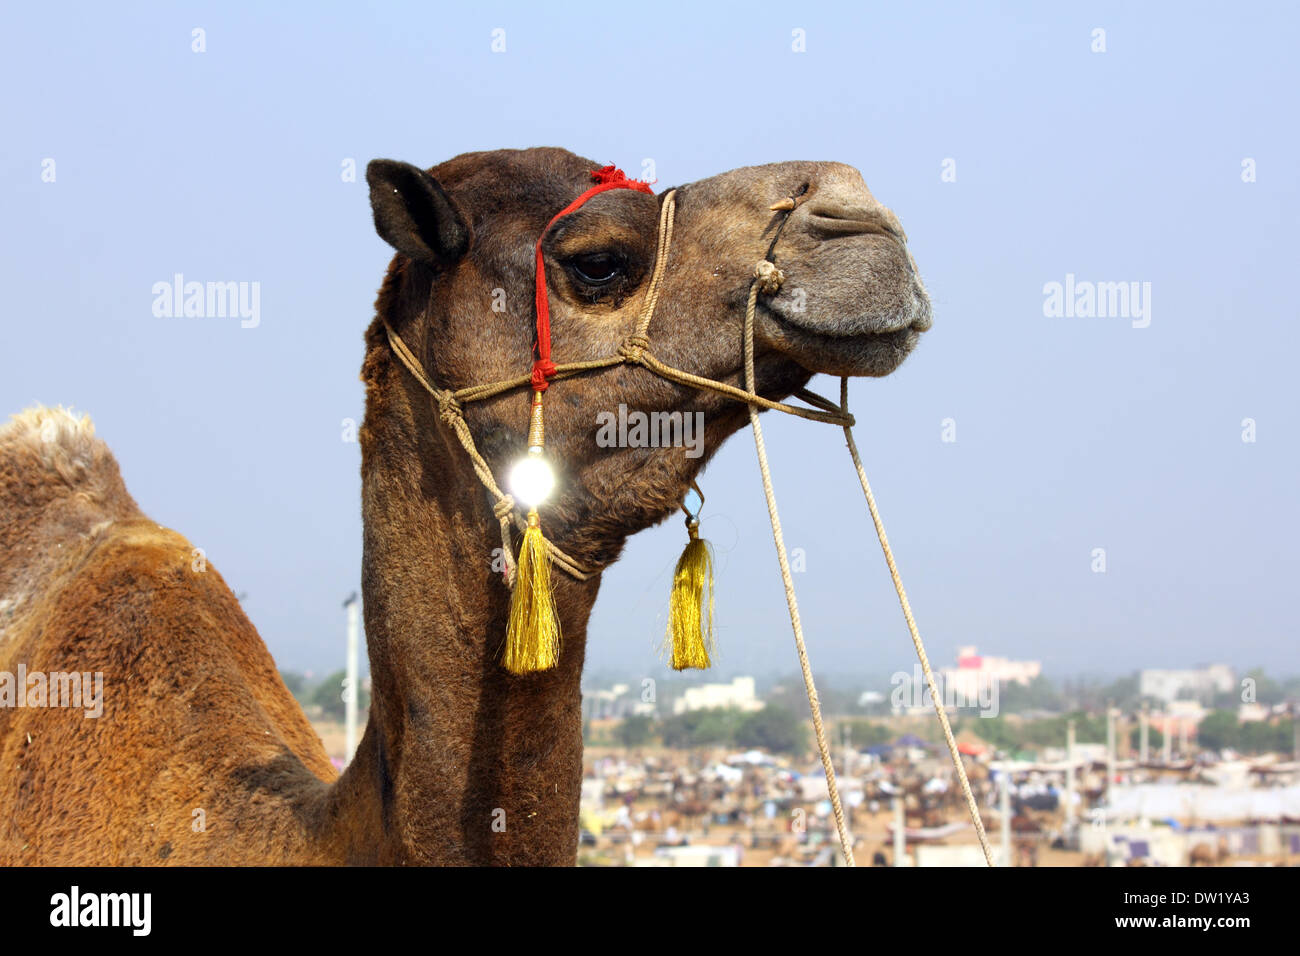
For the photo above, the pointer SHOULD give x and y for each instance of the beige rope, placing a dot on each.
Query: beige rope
(957, 763)
(450, 411)
(558, 558)
(635, 351)
(686, 378)
(846, 841)
(667, 214)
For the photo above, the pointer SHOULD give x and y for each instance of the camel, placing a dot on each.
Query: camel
(201, 755)
(1028, 830)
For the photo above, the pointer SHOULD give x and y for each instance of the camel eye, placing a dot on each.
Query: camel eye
(596, 268)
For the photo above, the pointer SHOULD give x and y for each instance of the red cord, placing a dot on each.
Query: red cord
(607, 178)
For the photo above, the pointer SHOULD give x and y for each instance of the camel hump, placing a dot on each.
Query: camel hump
(51, 453)
(46, 445)
(59, 485)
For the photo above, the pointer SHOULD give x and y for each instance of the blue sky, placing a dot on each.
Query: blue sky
(1072, 433)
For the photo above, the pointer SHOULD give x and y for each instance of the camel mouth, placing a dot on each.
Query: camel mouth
(917, 316)
(852, 345)
(873, 355)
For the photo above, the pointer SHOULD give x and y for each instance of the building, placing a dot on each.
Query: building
(619, 700)
(1201, 684)
(738, 695)
(974, 671)
(1253, 713)
(693, 855)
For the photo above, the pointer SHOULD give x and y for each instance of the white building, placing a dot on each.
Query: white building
(738, 695)
(974, 671)
(693, 855)
(1253, 713)
(619, 700)
(1200, 684)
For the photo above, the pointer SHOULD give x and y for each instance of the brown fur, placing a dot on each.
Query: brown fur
(195, 714)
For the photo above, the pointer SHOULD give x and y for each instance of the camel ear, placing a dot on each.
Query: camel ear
(414, 215)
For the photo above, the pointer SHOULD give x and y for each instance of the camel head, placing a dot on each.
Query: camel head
(461, 291)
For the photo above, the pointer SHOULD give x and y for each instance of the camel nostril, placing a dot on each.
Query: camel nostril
(829, 218)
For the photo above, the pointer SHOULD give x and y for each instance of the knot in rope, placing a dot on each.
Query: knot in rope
(634, 347)
(449, 408)
(543, 369)
(769, 277)
(504, 507)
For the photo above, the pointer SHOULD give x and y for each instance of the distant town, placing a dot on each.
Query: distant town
(1162, 767)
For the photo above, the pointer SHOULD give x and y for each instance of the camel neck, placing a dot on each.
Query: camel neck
(461, 762)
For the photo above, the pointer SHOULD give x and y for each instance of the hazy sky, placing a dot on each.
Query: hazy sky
(1072, 433)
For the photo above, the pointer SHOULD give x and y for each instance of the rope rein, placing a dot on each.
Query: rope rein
(635, 350)
(916, 635)
(810, 687)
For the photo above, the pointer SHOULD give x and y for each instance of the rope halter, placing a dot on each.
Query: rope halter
(633, 350)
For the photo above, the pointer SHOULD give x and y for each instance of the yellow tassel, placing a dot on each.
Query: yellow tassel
(690, 621)
(533, 634)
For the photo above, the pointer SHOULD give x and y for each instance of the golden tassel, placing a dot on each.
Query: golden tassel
(690, 622)
(533, 631)
(533, 634)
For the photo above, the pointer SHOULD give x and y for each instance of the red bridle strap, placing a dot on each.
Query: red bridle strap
(607, 178)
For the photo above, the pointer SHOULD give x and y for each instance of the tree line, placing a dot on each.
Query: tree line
(775, 729)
